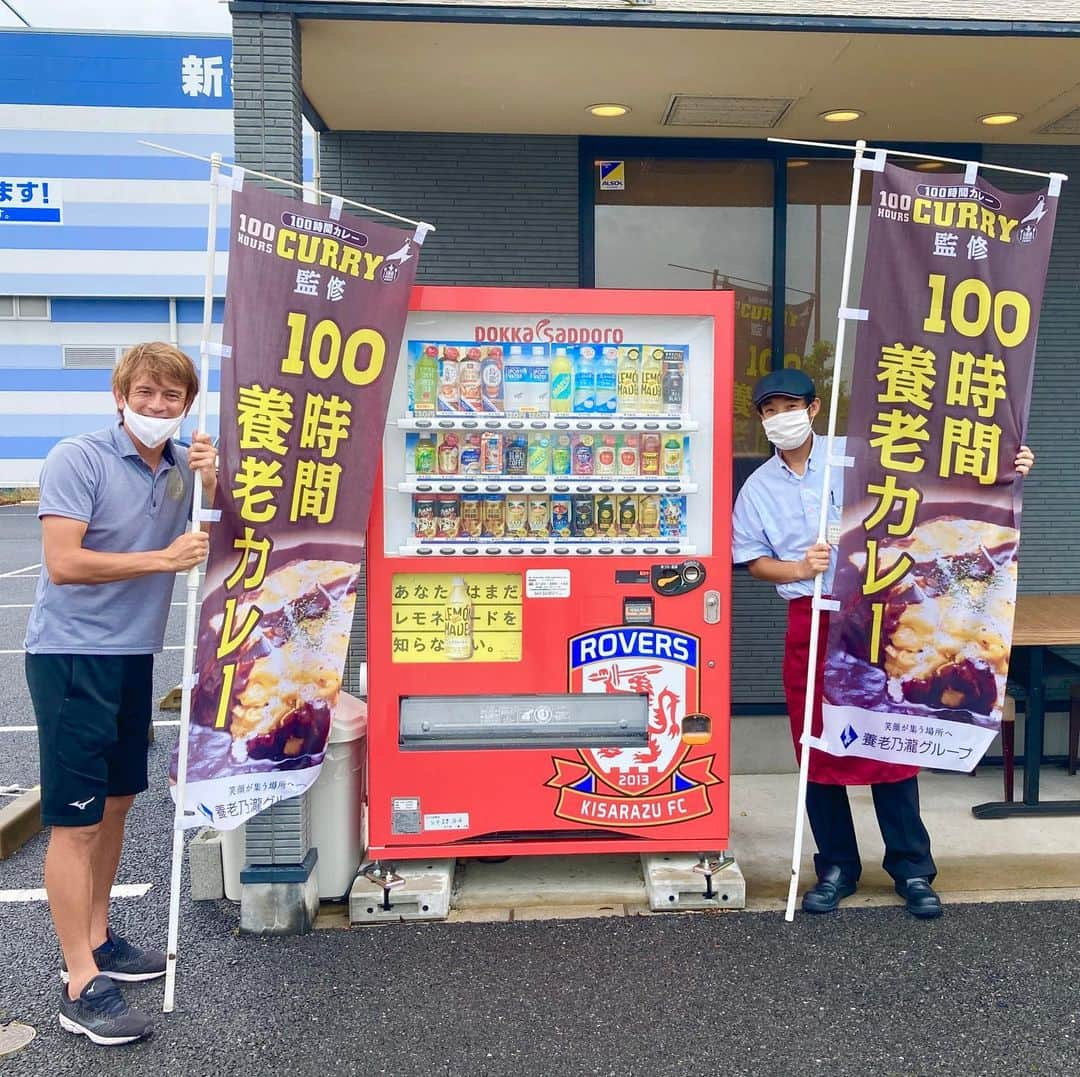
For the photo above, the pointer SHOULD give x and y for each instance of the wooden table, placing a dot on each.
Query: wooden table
(1041, 621)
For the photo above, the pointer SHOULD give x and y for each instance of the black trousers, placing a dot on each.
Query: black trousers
(907, 843)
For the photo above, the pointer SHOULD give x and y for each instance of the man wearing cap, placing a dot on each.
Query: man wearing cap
(774, 533)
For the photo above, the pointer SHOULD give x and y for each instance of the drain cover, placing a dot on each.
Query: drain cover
(14, 1037)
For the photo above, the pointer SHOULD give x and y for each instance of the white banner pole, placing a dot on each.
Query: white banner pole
(823, 523)
(191, 618)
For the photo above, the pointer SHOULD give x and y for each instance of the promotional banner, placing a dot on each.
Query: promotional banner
(918, 650)
(314, 315)
(753, 357)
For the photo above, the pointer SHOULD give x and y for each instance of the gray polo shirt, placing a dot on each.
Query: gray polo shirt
(100, 478)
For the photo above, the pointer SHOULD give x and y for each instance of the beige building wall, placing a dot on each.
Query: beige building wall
(994, 10)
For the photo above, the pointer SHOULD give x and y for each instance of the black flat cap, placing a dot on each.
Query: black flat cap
(786, 382)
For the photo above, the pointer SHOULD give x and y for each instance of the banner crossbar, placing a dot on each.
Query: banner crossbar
(921, 157)
(296, 186)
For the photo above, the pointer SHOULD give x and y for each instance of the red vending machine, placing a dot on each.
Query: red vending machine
(549, 577)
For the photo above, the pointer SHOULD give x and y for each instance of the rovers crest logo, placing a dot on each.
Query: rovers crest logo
(654, 785)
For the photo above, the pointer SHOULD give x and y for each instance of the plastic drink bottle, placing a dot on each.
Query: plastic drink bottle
(562, 383)
(424, 455)
(459, 622)
(628, 380)
(469, 385)
(651, 399)
(449, 370)
(607, 381)
(539, 454)
(585, 382)
(672, 384)
(426, 380)
(491, 380)
(515, 374)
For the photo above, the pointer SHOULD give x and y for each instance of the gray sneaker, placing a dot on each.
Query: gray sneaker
(120, 960)
(102, 1014)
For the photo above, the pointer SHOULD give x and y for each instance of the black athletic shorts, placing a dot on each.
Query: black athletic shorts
(93, 717)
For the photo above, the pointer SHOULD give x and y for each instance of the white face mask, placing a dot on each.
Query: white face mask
(789, 429)
(151, 431)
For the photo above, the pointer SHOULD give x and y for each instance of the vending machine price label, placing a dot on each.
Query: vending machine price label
(551, 584)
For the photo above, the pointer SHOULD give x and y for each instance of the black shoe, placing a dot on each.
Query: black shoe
(101, 1014)
(120, 960)
(831, 889)
(920, 898)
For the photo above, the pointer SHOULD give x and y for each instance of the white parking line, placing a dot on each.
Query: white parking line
(178, 647)
(129, 890)
(33, 728)
(19, 571)
(30, 605)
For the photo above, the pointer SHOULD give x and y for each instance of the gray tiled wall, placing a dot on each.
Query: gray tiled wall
(506, 208)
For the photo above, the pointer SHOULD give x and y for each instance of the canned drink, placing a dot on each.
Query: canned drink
(539, 515)
(424, 525)
(605, 515)
(582, 515)
(605, 461)
(649, 460)
(471, 515)
(517, 515)
(628, 515)
(649, 515)
(448, 515)
(628, 454)
(672, 514)
(560, 455)
(583, 454)
(560, 515)
(516, 458)
(494, 516)
(491, 452)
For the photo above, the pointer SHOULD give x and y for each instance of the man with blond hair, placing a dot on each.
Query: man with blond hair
(114, 510)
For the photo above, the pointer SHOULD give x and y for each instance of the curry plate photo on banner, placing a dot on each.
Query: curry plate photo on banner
(925, 588)
(314, 315)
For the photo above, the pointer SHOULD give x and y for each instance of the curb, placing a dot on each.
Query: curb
(20, 820)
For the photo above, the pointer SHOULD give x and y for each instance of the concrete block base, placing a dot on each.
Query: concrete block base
(204, 862)
(425, 894)
(20, 820)
(672, 884)
(279, 908)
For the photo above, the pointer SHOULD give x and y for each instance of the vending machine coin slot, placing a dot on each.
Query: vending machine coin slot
(677, 579)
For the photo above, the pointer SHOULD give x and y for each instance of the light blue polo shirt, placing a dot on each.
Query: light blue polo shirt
(100, 478)
(777, 513)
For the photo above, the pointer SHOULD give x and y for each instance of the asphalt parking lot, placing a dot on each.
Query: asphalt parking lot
(987, 990)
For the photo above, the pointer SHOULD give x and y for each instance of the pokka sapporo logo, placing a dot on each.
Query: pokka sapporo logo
(653, 785)
(547, 332)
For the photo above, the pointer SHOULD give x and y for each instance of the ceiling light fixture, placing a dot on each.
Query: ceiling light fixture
(930, 166)
(842, 115)
(798, 163)
(999, 119)
(609, 109)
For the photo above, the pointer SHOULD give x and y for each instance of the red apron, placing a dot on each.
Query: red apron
(824, 768)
